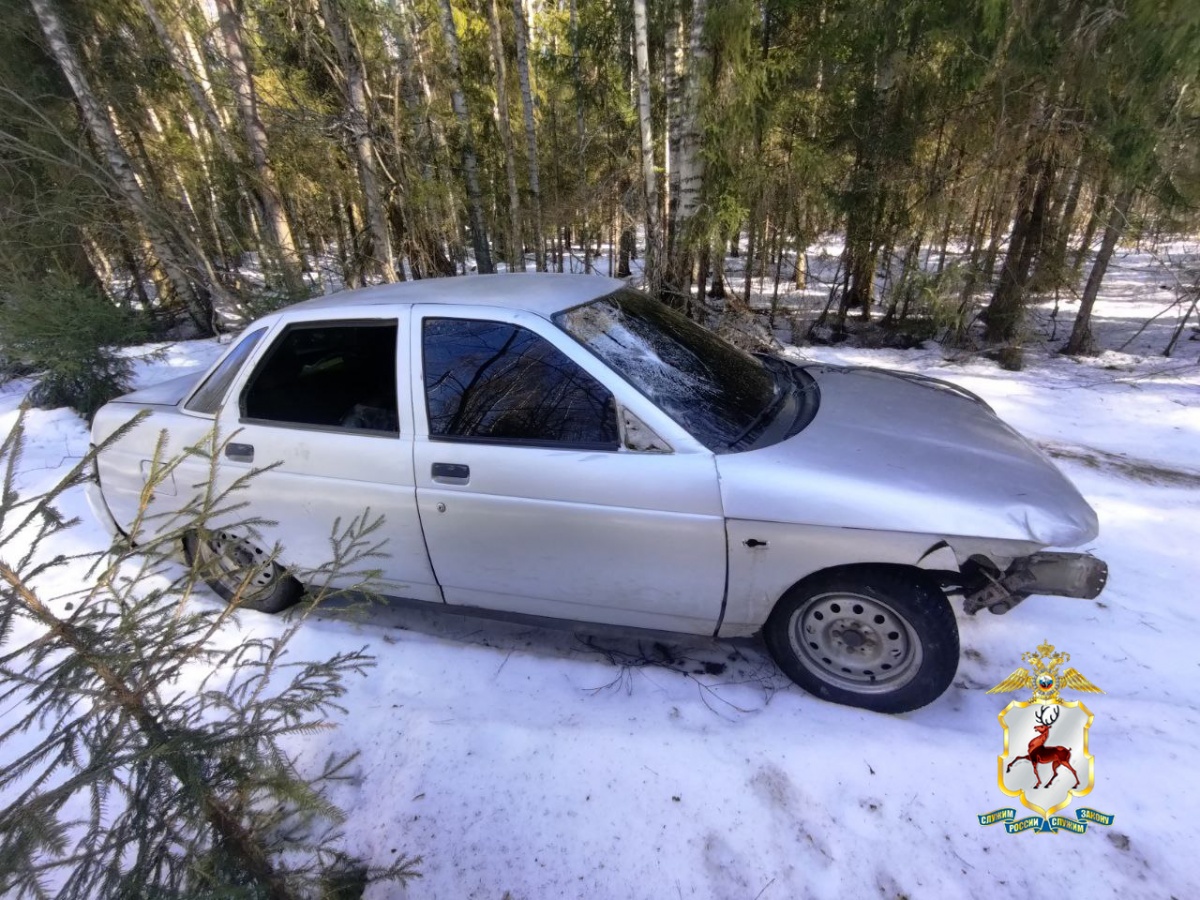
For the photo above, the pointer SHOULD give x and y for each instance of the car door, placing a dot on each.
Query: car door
(529, 497)
(320, 411)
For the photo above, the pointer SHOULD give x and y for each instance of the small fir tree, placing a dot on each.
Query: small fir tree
(124, 780)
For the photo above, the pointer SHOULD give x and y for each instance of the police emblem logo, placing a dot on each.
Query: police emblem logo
(1046, 762)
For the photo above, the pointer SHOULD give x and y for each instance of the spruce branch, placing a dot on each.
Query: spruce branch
(153, 759)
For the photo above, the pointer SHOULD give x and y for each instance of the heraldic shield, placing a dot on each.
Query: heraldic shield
(1046, 760)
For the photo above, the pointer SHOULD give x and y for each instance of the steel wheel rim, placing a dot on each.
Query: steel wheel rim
(858, 643)
(230, 557)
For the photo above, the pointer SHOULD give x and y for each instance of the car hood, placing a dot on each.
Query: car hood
(894, 452)
(165, 393)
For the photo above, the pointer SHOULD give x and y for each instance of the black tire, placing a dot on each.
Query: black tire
(236, 568)
(882, 638)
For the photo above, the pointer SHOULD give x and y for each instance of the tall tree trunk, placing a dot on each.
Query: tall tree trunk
(674, 78)
(197, 299)
(753, 225)
(531, 141)
(1093, 222)
(585, 219)
(651, 260)
(717, 262)
(191, 223)
(1081, 333)
(192, 81)
(1007, 307)
(867, 195)
(415, 135)
(627, 242)
(516, 255)
(699, 308)
(360, 136)
(345, 241)
(198, 67)
(1057, 259)
(560, 231)
(801, 257)
(690, 168)
(479, 241)
(217, 231)
(1048, 274)
(279, 230)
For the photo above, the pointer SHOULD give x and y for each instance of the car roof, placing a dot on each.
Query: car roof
(540, 293)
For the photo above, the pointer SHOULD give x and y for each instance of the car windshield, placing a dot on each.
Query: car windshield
(721, 395)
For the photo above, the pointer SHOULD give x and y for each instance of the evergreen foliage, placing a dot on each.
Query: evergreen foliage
(69, 336)
(150, 758)
(340, 142)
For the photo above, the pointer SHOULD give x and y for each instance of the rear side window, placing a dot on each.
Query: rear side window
(493, 381)
(208, 398)
(338, 376)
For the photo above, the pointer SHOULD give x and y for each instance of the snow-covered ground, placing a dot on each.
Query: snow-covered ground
(534, 763)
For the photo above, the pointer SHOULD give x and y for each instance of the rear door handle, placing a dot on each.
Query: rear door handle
(450, 473)
(240, 452)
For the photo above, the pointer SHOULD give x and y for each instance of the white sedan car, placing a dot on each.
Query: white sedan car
(568, 448)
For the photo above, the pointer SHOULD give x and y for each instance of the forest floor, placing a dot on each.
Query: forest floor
(533, 763)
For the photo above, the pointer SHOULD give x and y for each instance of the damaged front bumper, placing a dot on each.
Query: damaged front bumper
(1077, 575)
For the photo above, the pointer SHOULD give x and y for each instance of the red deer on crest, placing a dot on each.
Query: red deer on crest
(1039, 753)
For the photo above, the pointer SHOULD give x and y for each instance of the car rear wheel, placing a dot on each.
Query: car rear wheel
(238, 569)
(880, 638)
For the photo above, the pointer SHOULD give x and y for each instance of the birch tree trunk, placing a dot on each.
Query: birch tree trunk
(689, 170)
(199, 66)
(279, 230)
(585, 219)
(645, 128)
(531, 141)
(516, 255)
(195, 89)
(360, 136)
(415, 135)
(197, 299)
(483, 255)
(674, 80)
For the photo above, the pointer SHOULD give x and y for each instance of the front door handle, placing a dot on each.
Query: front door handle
(240, 452)
(450, 473)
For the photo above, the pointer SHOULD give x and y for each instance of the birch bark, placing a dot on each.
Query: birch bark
(360, 136)
(279, 230)
(483, 255)
(645, 129)
(516, 244)
(197, 299)
(531, 141)
(195, 88)
(689, 169)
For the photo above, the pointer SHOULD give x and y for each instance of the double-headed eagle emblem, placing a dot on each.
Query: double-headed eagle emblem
(1044, 676)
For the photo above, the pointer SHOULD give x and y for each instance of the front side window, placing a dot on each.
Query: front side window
(328, 375)
(499, 382)
(208, 398)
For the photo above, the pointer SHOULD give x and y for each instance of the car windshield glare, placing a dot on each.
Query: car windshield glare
(708, 386)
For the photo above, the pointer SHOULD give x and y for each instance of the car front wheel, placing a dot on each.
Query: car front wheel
(881, 638)
(239, 570)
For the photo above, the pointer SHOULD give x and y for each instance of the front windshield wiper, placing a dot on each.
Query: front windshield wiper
(780, 373)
